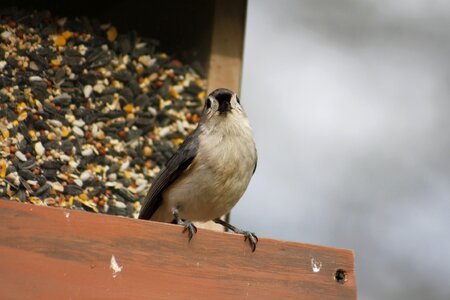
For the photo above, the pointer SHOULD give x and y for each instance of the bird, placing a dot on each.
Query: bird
(209, 172)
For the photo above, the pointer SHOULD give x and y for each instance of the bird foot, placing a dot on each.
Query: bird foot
(189, 227)
(251, 237)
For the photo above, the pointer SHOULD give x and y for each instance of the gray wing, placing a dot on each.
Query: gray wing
(175, 166)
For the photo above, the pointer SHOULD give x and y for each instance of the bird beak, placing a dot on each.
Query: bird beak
(224, 107)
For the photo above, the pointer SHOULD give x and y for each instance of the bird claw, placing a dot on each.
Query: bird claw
(250, 236)
(252, 239)
(190, 227)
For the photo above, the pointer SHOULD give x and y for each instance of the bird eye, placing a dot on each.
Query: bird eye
(208, 103)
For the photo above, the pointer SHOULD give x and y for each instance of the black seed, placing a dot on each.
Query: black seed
(109, 90)
(27, 165)
(24, 130)
(98, 58)
(12, 62)
(52, 164)
(26, 174)
(73, 61)
(11, 115)
(133, 134)
(50, 173)
(134, 86)
(72, 189)
(25, 184)
(144, 121)
(143, 100)
(126, 93)
(106, 99)
(90, 117)
(52, 145)
(63, 100)
(22, 146)
(97, 191)
(41, 125)
(77, 206)
(67, 147)
(38, 59)
(11, 169)
(89, 78)
(22, 195)
(115, 114)
(41, 179)
(137, 161)
(124, 181)
(113, 168)
(3, 98)
(125, 194)
(51, 109)
(67, 85)
(59, 75)
(123, 76)
(39, 90)
(130, 209)
(43, 190)
(117, 211)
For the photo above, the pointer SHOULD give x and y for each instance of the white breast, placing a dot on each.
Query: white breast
(219, 175)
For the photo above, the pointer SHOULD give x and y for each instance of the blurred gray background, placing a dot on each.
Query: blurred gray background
(349, 101)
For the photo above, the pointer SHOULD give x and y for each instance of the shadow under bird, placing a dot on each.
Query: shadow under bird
(210, 171)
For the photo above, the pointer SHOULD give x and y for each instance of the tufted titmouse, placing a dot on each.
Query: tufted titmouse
(210, 171)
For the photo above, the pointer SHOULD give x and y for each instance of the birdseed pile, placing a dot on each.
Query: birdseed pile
(88, 115)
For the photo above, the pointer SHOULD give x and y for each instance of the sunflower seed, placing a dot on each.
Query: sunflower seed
(73, 189)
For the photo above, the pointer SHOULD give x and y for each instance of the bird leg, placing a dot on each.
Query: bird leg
(188, 225)
(252, 238)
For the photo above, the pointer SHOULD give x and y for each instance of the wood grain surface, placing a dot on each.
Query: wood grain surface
(51, 253)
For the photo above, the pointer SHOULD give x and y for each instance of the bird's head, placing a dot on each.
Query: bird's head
(221, 102)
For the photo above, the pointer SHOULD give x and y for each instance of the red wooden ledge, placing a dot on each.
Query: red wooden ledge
(50, 253)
